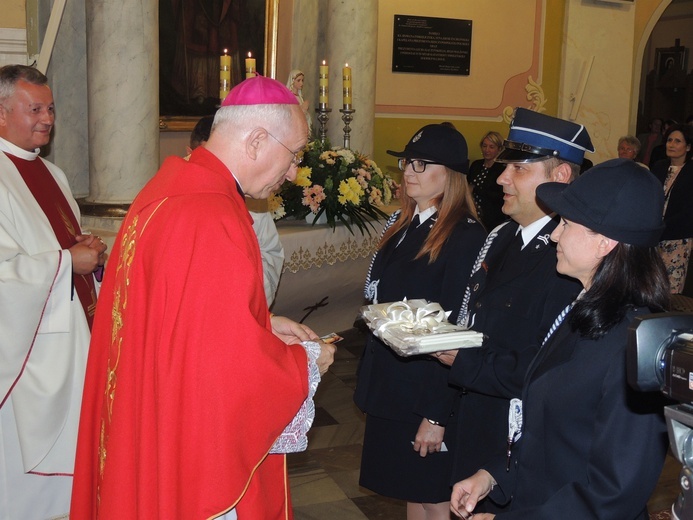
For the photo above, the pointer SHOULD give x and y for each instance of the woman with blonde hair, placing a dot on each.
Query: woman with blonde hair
(483, 174)
(427, 251)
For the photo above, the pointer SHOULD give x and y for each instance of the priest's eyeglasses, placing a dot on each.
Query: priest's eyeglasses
(298, 156)
(418, 165)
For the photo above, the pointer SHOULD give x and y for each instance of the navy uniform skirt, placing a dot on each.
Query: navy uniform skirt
(391, 467)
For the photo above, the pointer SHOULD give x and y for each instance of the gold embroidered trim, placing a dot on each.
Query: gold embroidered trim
(120, 300)
(330, 254)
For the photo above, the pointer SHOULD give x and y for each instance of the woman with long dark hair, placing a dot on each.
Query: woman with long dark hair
(590, 447)
(426, 252)
(676, 174)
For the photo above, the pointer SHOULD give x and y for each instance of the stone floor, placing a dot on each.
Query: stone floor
(324, 479)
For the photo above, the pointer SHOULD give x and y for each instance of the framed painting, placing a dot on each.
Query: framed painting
(193, 35)
(670, 60)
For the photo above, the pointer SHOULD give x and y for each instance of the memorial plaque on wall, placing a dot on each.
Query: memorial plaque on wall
(427, 45)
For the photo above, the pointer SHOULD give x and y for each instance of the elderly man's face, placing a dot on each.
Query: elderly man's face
(283, 144)
(27, 116)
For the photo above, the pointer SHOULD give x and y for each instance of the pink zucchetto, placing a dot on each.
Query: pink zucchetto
(259, 90)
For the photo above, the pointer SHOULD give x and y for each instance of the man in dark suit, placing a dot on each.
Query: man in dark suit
(514, 293)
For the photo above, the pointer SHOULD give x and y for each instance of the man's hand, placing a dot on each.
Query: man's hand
(429, 438)
(86, 255)
(97, 244)
(326, 356)
(467, 493)
(291, 332)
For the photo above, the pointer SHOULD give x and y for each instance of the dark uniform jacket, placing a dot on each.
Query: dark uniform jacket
(591, 447)
(407, 389)
(516, 296)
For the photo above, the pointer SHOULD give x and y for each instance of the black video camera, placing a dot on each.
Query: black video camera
(660, 355)
(660, 358)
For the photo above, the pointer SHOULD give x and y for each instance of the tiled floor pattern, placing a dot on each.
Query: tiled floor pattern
(324, 479)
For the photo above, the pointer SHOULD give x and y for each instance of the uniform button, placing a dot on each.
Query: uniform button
(508, 304)
(476, 287)
(477, 305)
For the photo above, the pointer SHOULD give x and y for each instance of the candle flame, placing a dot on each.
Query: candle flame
(346, 64)
(323, 62)
(225, 51)
(250, 55)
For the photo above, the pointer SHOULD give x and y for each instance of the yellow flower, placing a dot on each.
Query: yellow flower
(303, 177)
(350, 191)
(387, 195)
(275, 205)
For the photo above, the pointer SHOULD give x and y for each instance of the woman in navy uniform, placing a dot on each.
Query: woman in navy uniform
(590, 447)
(426, 252)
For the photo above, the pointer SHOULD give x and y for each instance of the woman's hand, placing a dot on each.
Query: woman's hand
(429, 438)
(446, 357)
(467, 493)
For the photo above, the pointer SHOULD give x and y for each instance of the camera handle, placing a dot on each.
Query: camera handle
(680, 426)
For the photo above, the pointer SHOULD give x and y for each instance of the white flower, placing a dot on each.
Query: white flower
(348, 155)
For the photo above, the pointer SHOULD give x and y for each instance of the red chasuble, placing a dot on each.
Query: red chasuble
(187, 388)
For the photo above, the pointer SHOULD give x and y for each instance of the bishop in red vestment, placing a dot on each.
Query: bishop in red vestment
(189, 381)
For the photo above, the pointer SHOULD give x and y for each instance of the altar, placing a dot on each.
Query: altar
(324, 273)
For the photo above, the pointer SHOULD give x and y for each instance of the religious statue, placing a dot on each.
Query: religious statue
(295, 85)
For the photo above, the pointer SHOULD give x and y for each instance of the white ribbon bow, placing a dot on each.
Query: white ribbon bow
(414, 316)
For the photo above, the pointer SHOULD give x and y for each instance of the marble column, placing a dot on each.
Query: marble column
(351, 37)
(123, 99)
(304, 48)
(67, 76)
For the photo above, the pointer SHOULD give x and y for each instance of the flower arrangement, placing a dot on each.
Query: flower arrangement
(342, 185)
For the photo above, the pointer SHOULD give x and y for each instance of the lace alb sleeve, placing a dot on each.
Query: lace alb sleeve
(294, 437)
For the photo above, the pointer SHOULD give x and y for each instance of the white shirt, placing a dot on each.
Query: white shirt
(529, 232)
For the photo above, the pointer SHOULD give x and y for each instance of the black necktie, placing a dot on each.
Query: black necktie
(415, 222)
(517, 243)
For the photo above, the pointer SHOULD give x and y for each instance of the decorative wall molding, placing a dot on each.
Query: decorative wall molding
(13, 46)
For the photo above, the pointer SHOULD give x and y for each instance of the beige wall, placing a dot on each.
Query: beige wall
(609, 35)
(13, 14)
(601, 34)
(515, 56)
(498, 57)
